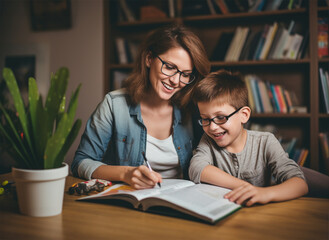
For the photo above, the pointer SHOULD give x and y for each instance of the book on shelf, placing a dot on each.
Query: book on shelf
(288, 145)
(238, 48)
(211, 7)
(275, 98)
(256, 94)
(244, 55)
(276, 39)
(304, 46)
(133, 46)
(324, 146)
(253, 45)
(261, 42)
(236, 44)
(126, 9)
(268, 41)
(323, 37)
(291, 4)
(265, 97)
(251, 101)
(281, 98)
(271, 97)
(302, 157)
(272, 5)
(222, 6)
(294, 47)
(118, 78)
(257, 5)
(223, 43)
(200, 201)
(284, 40)
(291, 146)
(324, 82)
(127, 50)
(286, 47)
(121, 47)
(171, 7)
(233, 44)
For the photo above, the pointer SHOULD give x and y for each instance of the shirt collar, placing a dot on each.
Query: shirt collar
(136, 110)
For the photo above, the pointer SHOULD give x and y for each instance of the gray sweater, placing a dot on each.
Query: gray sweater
(262, 162)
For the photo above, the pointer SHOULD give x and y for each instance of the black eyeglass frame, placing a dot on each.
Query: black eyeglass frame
(213, 119)
(177, 71)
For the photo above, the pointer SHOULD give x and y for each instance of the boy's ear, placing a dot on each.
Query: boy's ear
(245, 114)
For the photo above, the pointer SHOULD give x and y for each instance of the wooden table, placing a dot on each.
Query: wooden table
(304, 218)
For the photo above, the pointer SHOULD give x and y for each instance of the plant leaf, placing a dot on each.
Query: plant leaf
(61, 110)
(55, 95)
(69, 141)
(19, 105)
(23, 159)
(42, 134)
(56, 142)
(33, 102)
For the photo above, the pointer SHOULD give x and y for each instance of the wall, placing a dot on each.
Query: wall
(79, 48)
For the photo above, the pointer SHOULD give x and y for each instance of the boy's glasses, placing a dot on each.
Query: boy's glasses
(218, 119)
(170, 70)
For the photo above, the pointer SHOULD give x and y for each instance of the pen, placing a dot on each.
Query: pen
(149, 166)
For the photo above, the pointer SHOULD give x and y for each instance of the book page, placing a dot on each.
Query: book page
(167, 186)
(198, 200)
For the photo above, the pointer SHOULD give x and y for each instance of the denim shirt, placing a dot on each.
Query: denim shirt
(116, 135)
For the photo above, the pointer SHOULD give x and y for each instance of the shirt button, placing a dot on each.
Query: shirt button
(178, 148)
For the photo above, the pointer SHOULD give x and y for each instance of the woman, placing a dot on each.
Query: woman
(146, 116)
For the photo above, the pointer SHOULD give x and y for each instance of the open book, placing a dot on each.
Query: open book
(202, 201)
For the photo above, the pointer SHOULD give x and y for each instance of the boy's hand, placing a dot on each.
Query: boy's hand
(247, 194)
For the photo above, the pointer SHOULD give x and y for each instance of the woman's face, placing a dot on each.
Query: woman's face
(166, 86)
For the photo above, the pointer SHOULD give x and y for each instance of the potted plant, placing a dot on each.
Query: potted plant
(39, 141)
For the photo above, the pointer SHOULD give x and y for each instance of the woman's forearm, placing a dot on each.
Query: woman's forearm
(111, 173)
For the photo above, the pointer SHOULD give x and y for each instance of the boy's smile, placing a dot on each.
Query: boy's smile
(230, 135)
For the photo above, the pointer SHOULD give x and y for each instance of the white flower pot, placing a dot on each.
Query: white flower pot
(40, 192)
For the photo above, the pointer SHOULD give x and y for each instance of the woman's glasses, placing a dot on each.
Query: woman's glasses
(170, 70)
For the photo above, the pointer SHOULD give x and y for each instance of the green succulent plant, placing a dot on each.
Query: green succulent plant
(44, 132)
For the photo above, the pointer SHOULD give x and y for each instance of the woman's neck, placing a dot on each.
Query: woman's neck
(152, 101)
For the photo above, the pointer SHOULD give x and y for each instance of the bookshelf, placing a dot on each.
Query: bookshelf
(301, 75)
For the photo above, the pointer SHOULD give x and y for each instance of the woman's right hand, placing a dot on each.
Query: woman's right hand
(141, 177)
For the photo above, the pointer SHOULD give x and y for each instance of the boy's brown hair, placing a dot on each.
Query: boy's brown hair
(224, 87)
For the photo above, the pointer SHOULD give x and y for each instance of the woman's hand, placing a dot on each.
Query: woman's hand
(141, 177)
(247, 194)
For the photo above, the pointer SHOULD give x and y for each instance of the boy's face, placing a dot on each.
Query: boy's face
(231, 134)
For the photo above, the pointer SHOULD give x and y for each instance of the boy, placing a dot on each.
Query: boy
(232, 157)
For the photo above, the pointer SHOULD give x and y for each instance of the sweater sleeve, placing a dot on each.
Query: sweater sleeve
(202, 157)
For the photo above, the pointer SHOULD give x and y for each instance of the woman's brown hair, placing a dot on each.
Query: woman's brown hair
(158, 42)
